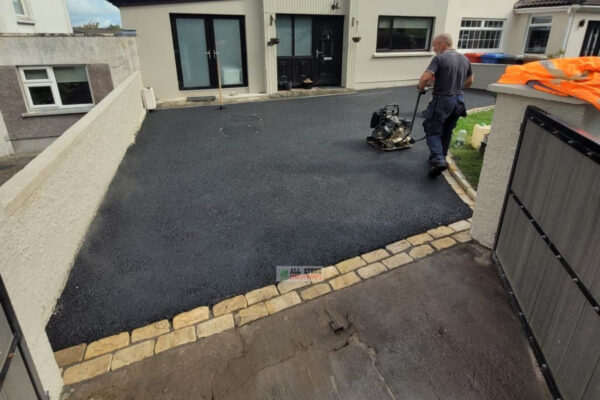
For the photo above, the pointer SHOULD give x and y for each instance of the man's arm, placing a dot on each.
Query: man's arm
(425, 79)
(469, 81)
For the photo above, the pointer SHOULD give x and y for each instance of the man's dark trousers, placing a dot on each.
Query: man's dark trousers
(440, 120)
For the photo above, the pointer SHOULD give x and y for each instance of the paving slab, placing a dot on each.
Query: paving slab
(206, 204)
(439, 328)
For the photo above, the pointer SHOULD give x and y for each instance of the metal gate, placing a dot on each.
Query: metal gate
(548, 248)
(18, 379)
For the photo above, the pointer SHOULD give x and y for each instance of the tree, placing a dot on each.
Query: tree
(90, 24)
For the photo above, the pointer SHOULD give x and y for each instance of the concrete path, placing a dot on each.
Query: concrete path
(207, 203)
(438, 328)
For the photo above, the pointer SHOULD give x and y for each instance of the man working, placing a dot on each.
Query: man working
(451, 72)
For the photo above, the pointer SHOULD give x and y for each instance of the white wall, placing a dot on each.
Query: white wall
(156, 51)
(46, 208)
(47, 16)
(398, 69)
(459, 9)
(518, 33)
(577, 33)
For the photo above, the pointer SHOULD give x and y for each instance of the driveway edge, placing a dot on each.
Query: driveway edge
(86, 361)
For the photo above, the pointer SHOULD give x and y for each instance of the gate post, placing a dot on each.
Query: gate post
(511, 102)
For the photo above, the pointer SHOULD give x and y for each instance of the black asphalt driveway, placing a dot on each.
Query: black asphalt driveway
(440, 328)
(207, 203)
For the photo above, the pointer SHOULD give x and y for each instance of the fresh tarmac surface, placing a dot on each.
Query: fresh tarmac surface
(207, 203)
(439, 328)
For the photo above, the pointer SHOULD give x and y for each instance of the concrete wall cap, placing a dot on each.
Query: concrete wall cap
(526, 91)
(20, 186)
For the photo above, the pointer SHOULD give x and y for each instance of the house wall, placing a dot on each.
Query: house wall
(577, 33)
(46, 209)
(6, 148)
(459, 9)
(310, 7)
(109, 60)
(374, 69)
(156, 51)
(518, 32)
(362, 66)
(47, 16)
(24, 131)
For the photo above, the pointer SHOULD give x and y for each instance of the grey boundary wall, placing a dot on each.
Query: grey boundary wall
(46, 209)
(109, 60)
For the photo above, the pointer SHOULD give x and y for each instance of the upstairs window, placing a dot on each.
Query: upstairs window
(404, 33)
(19, 7)
(22, 11)
(56, 87)
(538, 34)
(480, 34)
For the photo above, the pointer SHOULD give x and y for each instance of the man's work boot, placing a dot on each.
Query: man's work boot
(436, 169)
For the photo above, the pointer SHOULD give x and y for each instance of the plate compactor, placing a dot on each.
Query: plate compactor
(390, 132)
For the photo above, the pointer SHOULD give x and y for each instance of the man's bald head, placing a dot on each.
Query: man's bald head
(442, 43)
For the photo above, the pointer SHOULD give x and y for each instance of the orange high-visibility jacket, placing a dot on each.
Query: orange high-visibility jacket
(577, 77)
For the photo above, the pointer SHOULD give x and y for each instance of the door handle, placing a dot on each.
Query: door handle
(209, 54)
(318, 52)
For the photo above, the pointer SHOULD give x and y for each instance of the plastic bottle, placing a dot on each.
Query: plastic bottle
(460, 138)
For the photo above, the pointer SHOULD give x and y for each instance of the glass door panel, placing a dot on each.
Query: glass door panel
(191, 38)
(228, 45)
(284, 33)
(303, 36)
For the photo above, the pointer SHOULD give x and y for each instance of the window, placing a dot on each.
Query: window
(537, 35)
(56, 87)
(201, 43)
(295, 34)
(22, 11)
(19, 7)
(404, 33)
(480, 34)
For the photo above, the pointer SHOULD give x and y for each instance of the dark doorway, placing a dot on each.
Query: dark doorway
(591, 43)
(310, 48)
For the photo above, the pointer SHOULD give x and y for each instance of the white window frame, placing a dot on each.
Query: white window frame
(51, 82)
(530, 24)
(26, 18)
(482, 28)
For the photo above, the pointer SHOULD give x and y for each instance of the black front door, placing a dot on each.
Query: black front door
(310, 48)
(328, 39)
(591, 43)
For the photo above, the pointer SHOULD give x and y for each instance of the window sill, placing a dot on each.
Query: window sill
(25, 21)
(393, 54)
(57, 111)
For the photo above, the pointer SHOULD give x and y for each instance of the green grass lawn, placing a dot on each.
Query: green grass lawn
(467, 158)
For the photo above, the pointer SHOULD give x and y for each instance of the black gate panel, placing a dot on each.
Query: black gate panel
(18, 378)
(548, 246)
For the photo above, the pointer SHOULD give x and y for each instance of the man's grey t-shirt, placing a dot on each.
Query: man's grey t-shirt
(451, 70)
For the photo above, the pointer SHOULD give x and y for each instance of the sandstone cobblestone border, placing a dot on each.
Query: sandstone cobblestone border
(458, 189)
(459, 177)
(86, 361)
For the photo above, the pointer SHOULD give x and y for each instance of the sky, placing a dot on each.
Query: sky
(82, 11)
